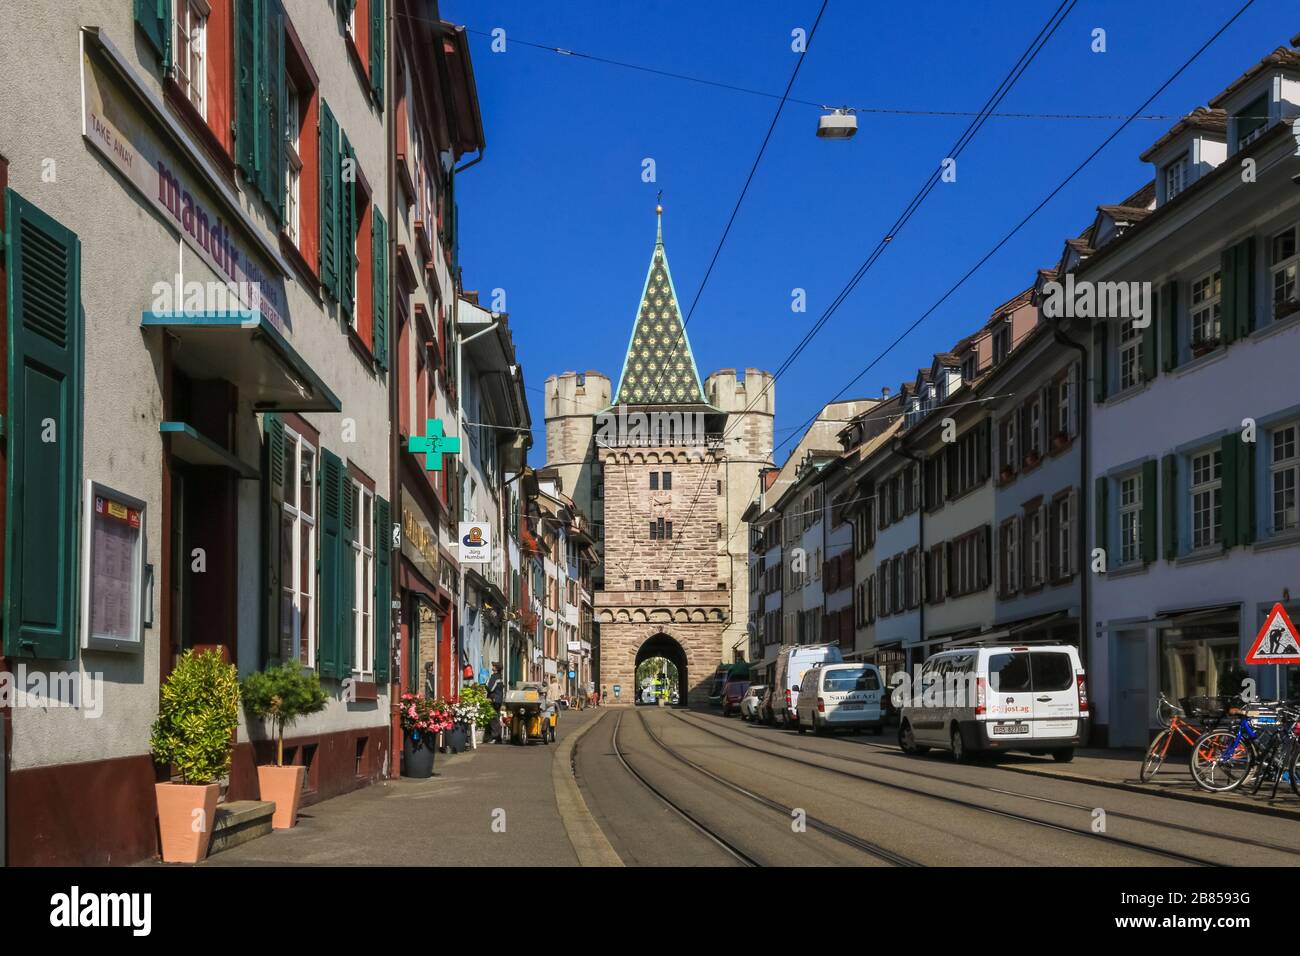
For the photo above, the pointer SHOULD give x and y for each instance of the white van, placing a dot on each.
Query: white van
(991, 698)
(841, 697)
(791, 665)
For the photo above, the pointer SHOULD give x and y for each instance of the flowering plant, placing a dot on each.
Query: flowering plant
(472, 707)
(422, 715)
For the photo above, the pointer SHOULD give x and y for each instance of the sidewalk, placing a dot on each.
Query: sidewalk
(444, 821)
(1119, 769)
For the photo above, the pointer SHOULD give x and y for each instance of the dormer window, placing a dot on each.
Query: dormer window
(1251, 122)
(968, 369)
(1175, 177)
(1001, 343)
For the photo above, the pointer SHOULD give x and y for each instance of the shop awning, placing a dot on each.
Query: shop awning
(194, 448)
(1197, 615)
(249, 352)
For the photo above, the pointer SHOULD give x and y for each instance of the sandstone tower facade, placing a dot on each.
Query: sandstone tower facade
(664, 464)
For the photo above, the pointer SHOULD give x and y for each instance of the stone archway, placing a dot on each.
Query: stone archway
(662, 645)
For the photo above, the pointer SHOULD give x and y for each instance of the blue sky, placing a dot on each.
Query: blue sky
(558, 216)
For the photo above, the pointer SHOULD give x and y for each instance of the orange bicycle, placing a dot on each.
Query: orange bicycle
(1174, 719)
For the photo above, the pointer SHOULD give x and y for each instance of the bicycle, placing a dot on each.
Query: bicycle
(1264, 745)
(1174, 719)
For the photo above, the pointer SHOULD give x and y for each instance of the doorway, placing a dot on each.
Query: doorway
(1129, 717)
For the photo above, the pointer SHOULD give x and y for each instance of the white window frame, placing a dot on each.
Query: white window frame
(293, 163)
(363, 580)
(1176, 177)
(1284, 471)
(1284, 274)
(1009, 442)
(1206, 308)
(1064, 536)
(1035, 442)
(292, 507)
(190, 59)
(1130, 356)
(1130, 517)
(1035, 542)
(1205, 497)
(1011, 544)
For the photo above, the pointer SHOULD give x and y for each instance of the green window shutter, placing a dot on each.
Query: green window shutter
(248, 44)
(383, 589)
(347, 227)
(377, 50)
(1244, 288)
(155, 20)
(1100, 514)
(332, 564)
(271, 88)
(1246, 493)
(1100, 362)
(1150, 509)
(44, 441)
(347, 576)
(1150, 350)
(1169, 496)
(1229, 446)
(273, 481)
(379, 249)
(1169, 323)
(329, 200)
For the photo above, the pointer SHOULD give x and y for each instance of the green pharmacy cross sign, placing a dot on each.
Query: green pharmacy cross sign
(434, 445)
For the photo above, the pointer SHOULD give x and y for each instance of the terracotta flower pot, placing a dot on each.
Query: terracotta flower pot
(283, 787)
(186, 816)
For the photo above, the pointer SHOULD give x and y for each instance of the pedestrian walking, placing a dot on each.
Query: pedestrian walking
(496, 691)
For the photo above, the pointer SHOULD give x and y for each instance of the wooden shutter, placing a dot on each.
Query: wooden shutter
(332, 564)
(1237, 266)
(248, 53)
(273, 483)
(383, 590)
(329, 200)
(377, 50)
(348, 576)
(1169, 493)
(1169, 326)
(271, 90)
(155, 20)
(1099, 513)
(379, 296)
(1150, 350)
(1074, 403)
(1100, 362)
(44, 443)
(1238, 470)
(1150, 509)
(347, 214)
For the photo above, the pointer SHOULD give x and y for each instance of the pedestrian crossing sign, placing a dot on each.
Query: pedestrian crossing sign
(1277, 642)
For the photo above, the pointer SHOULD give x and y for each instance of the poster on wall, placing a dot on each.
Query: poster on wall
(475, 542)
(113, 570)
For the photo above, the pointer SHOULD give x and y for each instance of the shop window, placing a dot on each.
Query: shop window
(1204, 658)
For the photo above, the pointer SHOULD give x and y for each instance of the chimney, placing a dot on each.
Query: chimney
(884, 393)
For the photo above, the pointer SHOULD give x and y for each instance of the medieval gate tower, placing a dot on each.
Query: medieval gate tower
(664, 465)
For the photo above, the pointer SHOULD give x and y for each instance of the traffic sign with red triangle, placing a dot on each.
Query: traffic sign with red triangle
(1277, 641)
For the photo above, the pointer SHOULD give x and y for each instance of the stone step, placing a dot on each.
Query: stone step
(240, 821)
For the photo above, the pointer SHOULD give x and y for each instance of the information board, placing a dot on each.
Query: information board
(113, 566)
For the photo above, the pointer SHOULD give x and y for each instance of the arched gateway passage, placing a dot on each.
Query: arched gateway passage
(662, 646)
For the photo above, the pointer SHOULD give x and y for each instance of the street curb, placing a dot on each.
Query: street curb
(1226, 802)
(585, 835)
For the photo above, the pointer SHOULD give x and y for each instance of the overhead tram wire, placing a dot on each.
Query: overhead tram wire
(1045, 33)
(999, 94)
(794, 75)
(1038, 208)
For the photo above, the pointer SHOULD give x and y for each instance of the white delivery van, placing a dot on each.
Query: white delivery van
(840, 697)
(982, 699)
(791, 664)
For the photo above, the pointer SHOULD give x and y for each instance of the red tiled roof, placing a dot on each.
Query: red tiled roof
(1281, 58)
(1212, 121)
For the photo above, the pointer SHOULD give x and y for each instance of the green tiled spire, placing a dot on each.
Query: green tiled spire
(659, 368)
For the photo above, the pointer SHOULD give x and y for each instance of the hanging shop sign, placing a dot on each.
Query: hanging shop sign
(120, 127)
(113, 570)
(419, 540)
(475, 542)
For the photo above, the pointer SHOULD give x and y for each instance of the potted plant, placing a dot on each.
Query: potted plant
(472, 711)
(283, 693)
(1285, 308)
(197, 717)
(1060, 440)
(423, 718)
(1006, 474)
(1202, 346)
(1032, 459)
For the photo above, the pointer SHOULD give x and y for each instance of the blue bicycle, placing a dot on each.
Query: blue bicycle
(1263, 746)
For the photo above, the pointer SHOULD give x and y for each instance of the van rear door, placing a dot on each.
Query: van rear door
(1010, 700)
(1056, 695)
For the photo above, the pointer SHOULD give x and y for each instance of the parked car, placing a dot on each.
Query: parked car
(841, 697)
(750, 703)
(791, 664)
(732, 692)
(725, 673)
(998, 698)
